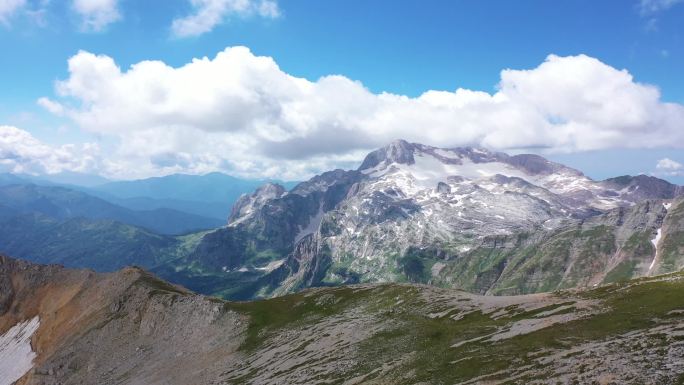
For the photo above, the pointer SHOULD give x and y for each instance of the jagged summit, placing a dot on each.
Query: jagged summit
(246, 203)
(270, 190)
(399, 151)
(402, 152)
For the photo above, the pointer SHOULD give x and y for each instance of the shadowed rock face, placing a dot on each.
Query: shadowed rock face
(642, 187)
(130, 328)
(535, 165)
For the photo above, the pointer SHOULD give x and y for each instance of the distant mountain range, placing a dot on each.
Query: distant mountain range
(60, 203)
(45, 220)
(210, 195)
(465, 218)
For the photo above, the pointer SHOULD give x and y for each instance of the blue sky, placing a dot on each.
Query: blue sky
(399, 47)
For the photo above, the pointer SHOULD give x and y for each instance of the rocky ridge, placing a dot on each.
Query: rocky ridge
(129, 327)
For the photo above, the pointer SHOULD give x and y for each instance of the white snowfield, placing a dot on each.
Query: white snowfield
(456, 197)
(468, 186)
(656, 240)
(475, 183)
(16, 354)
(428, 170)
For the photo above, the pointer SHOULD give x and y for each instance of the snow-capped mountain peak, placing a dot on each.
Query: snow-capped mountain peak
(415, 167)
(447, 208)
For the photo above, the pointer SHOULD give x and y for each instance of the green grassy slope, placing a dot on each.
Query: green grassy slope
(630, 332)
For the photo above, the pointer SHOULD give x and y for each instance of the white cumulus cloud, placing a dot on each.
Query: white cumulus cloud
(96, 14)
(669, 164)
(207, 14)
(241, 113)
(21, 152)
(668, 167)
(51, 106)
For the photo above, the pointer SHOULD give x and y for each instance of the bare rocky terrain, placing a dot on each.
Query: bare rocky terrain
(129, 327)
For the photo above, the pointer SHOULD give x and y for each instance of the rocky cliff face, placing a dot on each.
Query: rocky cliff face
(128, 327)
(236, 261)
(605, 248)
(465, 218)
(247, 203)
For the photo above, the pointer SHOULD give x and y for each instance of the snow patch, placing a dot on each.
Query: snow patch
(272, 265)
(446, 153)
(428, 170)
(655, 241)
(16, 354)
(667, 206)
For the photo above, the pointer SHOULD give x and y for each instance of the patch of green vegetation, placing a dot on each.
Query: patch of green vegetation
(414, 268)
(265, 256)
(339, 275)
(450, 351)
(270, 316)
(483, 267)
(544, 261)
(594, 246)
(671, 253)
(632, 308)
(622, 272)
(639, 243)
(454, 347)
